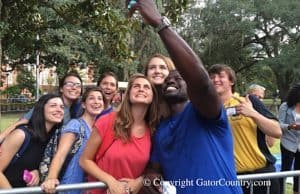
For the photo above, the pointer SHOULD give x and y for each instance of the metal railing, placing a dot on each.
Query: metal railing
(268, 176)
(59, 188)
(93, 185)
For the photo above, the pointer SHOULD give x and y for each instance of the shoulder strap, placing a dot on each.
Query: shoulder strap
(78, 142)
(108, 138)
(24, 145)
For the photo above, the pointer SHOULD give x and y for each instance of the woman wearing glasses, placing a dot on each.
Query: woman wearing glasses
(70, 89)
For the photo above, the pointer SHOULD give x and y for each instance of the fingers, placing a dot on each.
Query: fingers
(35, 178)
(124, 179)
(34, 181)
(49, 186)
(132, 6)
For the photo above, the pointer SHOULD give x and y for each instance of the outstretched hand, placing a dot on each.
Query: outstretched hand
(147, 9)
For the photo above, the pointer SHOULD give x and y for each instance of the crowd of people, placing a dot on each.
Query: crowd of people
(177, 121)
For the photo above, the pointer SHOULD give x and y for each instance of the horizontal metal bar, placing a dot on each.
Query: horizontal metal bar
(65, 187)
(93, 185)
(269, 175)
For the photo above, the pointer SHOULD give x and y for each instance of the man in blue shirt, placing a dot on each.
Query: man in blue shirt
(193, 147)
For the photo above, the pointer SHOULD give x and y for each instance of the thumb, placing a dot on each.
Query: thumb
(247, 98)
(124, 179)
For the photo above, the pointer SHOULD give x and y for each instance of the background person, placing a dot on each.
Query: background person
(47, 116)
(259, 92)
(108, 83)
(289, 118)
(250, 122)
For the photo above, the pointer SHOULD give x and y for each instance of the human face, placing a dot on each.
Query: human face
(141, 92)
(259, 93)
(53, 111)
(71, 89)
(109, 87)
(174, 88)
(157, 71)
(221, 82)
(93, 104)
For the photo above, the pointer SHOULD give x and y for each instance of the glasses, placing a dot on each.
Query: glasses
(72, 84)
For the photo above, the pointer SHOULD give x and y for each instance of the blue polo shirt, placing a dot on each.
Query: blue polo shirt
(196, 154)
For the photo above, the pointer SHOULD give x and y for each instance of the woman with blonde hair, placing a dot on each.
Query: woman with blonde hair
(157, 68)
(119, 147)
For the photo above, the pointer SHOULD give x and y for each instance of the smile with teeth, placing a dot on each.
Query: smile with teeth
(171, 88)
(107, 93)
(140, 95)
(58, 116)
(73, 93)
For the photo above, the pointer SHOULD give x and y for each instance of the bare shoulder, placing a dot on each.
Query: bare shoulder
(15, 138)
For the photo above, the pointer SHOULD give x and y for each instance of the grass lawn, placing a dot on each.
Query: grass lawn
(8, 119)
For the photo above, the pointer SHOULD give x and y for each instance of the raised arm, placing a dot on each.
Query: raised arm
(200, 89)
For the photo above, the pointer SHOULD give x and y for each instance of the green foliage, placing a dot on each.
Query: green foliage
(87, 32)
(25, 79)
(248, 35)
(12, 91)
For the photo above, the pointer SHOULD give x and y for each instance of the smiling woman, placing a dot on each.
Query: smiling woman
(47, 115)
(128, 130)
(64, 168)
(157, 69)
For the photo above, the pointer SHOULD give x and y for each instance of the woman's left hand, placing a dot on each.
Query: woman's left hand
(35, 178)
(134, 185)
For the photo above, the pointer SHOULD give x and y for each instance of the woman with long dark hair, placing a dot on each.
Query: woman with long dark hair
(32, 139)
